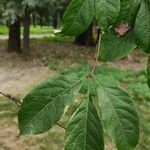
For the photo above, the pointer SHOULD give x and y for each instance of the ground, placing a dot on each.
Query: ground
(18, 75)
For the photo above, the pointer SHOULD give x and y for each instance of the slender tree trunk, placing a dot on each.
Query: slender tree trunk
(34, 19)
(55, 21)
(41, 20)
(86, 38)
(57, 15)
(98, 34)
(26, 32)
(58, 20)
(14, 41)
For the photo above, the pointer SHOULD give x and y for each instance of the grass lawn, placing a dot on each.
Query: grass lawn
(34, 30)
(3, 30)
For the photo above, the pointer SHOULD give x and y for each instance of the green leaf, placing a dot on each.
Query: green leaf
(78, 17)
(142, 26)
(129, 10)
(120, 116)
(148, 72)
(114, 48)
(44, 105)
(84, 131)
(107, 12)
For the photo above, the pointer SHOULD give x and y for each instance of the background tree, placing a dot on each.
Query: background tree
(86, 38)
(27, 12)
(13, 13)
(11, 17)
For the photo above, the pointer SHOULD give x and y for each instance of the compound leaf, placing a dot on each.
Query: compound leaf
(114, 48)
(78, 17)
(84, 131)
(120, 116)
(107, 12)
(44, 105)
(142, 26)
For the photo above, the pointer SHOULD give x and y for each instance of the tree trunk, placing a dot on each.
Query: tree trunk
(57, 15)
(98, 31)
(41, 20)
(58, 20)
(86, 38)
(55, 21)
(26, 32)
(14, 41)
(34, 19)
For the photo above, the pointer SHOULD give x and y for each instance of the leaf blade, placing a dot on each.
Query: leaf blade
(120, 116)
(107, 12)
(78, 17)
(142, 26)
(43, 106)
(128, 12)
(84, 132)
(114, 48)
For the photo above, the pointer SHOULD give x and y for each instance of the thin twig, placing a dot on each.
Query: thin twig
(18, 102)
(14, 99)
(96, 56)
(61, 126)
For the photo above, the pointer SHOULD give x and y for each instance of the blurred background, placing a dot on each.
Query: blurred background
(31, 50)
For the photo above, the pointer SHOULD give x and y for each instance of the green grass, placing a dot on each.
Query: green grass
(34, 30)
(3, 30)
(41, 30)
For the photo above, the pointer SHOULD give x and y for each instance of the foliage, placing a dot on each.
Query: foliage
(35, 125)
(88, 133)
(111, 17)
(134, 82)
(102, 101)
(12, 9)
(80, 20)
(107, 13)
(120, 118)
(128, 11)
(50, 99)
(142, 26)
(114, 48)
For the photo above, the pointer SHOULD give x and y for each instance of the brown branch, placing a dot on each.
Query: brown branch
(18, 102)
(14, 99)
(61, 126)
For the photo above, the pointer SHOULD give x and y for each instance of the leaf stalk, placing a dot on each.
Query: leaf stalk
(18, 102)
(96, 57)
